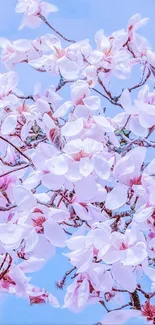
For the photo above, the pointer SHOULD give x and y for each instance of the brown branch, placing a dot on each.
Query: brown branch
(7, 208)
(135, 300)
(16, 148)
(146, 295)
(141, 83)
(5, 258)
(15, 170)
(61, 283)
(54, 30)
(121, 215)
(104, 305)
(109, 99)
(8, 267)
(119, 290)
(112, 100)
(62, 84)
(24, 97)
(123, 306)
(119, 308)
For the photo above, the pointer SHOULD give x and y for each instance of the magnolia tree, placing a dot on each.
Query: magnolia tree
(73, 177)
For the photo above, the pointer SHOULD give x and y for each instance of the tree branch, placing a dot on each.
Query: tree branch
(17, 149)
(15, 170)
(54, 30)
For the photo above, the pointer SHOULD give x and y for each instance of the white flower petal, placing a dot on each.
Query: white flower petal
(54, 233)
(117, 197)
(24, 198)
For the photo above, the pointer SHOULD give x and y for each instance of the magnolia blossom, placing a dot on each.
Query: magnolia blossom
(32, 9)
(80, 293)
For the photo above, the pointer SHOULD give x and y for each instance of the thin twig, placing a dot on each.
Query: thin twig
(110, 100)
(54, 30)
(7, 208)
(16, 148)
(15, 170)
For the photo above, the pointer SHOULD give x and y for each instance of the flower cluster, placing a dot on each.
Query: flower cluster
(75, 177)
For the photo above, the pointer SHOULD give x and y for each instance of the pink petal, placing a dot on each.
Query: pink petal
(103, 122)
(142, 215)
(57, 165)
(81, 211)
(9, 124)
(76, 242)
(134, 255)
(125, 101)
(63, 109)
(52, 181)
(31, 241)
(44, 249)
(92, 102)
(11, 235)
(147, 108)
(117, 197)
(47, 120)
(85, 166)
(102, 41)
(111, 256)
(83, 293)
(11, 80)
(94, 58)
(120, 316)
(72, 128)
(137, 128)
(54, 233)
(124, 276)
(43, 106)
(53, 301)
(69, 69)
(86, 189)
(146, 120)
(32, 180)
(33, 264)
(101, 166)
(22, 45)
(24, 198)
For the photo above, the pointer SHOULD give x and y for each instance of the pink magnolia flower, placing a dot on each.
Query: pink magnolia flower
(80, 293)
(85, 247)
(137, 43)
(128, 172)
(8, 82)
(148, 311)
(40, 296)
(69, 61)
(15, 52)
(134, 23)
(11, 234)
(129, 248)
(7, 184)
(142, 113)
(32, 9)
(110, 55)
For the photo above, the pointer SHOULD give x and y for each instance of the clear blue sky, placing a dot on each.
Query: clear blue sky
(77, 19)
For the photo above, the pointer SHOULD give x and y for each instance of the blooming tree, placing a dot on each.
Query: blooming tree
(72, 176)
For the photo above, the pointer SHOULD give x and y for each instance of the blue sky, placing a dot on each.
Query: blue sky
(77, 19)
